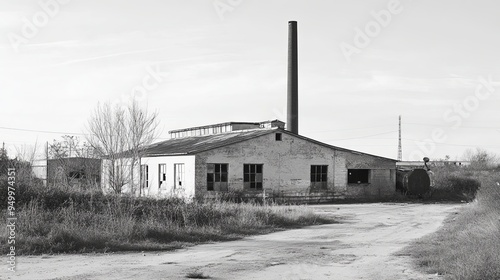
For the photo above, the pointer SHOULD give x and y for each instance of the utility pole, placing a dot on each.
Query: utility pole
(400, 148)
(47, 164)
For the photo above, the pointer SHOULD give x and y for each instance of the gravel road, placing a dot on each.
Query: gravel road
(362, 246)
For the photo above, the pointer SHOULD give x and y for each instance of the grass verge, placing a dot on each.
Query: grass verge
(468, 244)
(62, 222)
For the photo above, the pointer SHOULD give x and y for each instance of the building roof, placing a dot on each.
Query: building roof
(223, 124)
(211, 125)
(197, 144)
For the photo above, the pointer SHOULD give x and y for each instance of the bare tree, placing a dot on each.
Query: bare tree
(72, 161)
(119, 135)
(142, 127)
(24, 161)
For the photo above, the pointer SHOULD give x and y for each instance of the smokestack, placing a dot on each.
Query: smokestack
(292, 123)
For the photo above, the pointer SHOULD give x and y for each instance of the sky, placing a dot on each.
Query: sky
(197, 62)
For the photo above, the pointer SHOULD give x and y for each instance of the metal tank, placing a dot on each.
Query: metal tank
(415, 181)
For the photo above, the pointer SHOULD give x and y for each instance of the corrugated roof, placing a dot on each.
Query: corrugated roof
(197, 144)
(223, 124)
(210, 126)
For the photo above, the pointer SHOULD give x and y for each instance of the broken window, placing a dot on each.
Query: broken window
(278, 136)
(144, 176)
(319, 176)
(217, 174)
(358, 176)
(178, 175)
(162, 174)
(252, 176)
(76, 174)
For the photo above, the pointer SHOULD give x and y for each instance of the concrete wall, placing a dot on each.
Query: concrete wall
(63, 171)
(382, 182)
(123, 168)
(167, 189)
(287, 167)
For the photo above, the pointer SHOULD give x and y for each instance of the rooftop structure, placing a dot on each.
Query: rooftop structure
(223, 128)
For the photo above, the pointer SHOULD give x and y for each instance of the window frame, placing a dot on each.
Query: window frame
(319, 176)
(217, 176)
(252, 178)
(160, 173)
(144, 176)
(178, 174)
(351, 181)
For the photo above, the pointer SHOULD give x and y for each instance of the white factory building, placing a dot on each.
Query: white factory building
(252, 157)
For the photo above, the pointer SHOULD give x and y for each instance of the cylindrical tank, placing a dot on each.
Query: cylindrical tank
(413, 182)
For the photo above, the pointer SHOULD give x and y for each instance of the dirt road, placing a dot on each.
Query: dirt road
(361, 247)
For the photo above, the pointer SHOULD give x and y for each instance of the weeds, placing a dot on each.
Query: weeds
(197, 275)
(468, 245)
(56, 221)
(455, 184)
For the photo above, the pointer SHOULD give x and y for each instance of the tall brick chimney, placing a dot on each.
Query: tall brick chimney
(292, 123)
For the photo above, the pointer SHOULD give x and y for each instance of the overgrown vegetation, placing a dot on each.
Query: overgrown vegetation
(468, 245)
(60, 221)
(453, 183)
(197, 275)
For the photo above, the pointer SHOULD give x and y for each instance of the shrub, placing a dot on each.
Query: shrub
(57, 221)
(455, 184)
(467, 246)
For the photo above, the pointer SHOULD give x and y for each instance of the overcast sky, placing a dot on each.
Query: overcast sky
(361, 65)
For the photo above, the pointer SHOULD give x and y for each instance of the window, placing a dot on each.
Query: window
(278, 136)
(178, 175)
(358, 176)
(252, 176)
(76, 174)
(144, 176)
(319, 176)
(162, 174)
(217, 176)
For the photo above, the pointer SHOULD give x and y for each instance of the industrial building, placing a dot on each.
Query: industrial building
(253, 157)
(260, 157)
(74, 171)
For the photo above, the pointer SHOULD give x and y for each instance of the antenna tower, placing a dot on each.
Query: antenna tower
(400, 149)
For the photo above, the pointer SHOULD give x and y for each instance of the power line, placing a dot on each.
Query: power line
(41, 131)
(452, 144)
(347, 129)
(52, 132)
(361, 137)
(464, 126)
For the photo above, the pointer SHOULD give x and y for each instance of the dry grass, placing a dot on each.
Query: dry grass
(60, 222)
(468, 245)
(197, 275)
